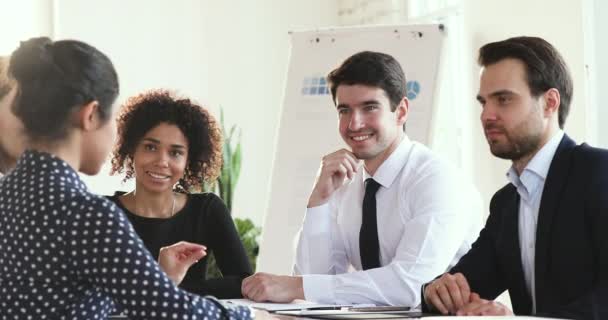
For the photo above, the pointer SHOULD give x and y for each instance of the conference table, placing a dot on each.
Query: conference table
(301, 309)
(275, 316)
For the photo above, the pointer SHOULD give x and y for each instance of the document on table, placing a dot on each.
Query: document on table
(347, 314)
(295, 306)
(494, 318)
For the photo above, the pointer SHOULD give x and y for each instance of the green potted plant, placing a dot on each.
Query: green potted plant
(224, 188)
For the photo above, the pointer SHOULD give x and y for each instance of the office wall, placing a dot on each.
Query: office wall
(23, 19)
(231, 54)
(600, 25)
(249, 52)
(153, 44)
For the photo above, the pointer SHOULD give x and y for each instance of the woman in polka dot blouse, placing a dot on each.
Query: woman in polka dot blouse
(66, 253)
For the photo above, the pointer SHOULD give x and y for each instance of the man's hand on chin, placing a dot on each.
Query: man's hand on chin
(262, 287)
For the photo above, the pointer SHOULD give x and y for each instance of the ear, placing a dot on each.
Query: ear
(552, 102)
(87, 118)
(401, 111)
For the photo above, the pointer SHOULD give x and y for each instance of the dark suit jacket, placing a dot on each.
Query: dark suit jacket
(571, 258)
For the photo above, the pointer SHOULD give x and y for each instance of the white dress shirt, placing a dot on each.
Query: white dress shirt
(427, 219)
(530, 185)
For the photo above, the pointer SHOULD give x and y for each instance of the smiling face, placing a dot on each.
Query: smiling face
(160, 158)
(366, 122)
(514, 121)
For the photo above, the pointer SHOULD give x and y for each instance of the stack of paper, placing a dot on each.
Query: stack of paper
(294, 306)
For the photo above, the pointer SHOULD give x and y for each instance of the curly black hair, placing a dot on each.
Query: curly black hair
(145, 111)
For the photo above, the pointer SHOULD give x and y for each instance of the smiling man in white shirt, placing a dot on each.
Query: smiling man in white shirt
(385, 215)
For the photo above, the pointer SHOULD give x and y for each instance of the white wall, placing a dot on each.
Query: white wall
(248, 54)
(600, 24)
(222, 53)
(152, 43)
(21, 20)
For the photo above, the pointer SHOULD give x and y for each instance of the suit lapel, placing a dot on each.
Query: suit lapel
(554, 184)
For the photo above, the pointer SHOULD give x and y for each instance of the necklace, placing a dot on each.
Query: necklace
(172, 206)
(171, 214)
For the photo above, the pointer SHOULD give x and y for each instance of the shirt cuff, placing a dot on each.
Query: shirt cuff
(319, 288)
(424, 307)
(317, 219)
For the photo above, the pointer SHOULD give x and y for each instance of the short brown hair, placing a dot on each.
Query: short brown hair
(374, 69)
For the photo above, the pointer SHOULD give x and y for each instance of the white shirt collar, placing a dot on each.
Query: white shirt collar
(390, 168)
(537, 169)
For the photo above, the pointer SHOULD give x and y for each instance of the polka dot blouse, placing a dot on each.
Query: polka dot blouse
(66, 253)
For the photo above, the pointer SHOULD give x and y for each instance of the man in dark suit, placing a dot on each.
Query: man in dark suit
(545, 240)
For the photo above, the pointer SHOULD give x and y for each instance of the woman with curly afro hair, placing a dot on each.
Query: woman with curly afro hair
(170, 145)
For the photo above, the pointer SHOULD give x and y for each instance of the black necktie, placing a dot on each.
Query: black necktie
(369, 246)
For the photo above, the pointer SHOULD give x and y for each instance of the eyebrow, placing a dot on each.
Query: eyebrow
(152, 140)
(364, 103)
(501, 93)
(175, 146)
(495, 94)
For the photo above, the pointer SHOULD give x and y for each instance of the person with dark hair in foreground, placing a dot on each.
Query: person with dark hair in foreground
(545, 240)
(387, 207)
(169, 145)
(65, 252)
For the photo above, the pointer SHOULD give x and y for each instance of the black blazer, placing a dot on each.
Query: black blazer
(571, 259)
